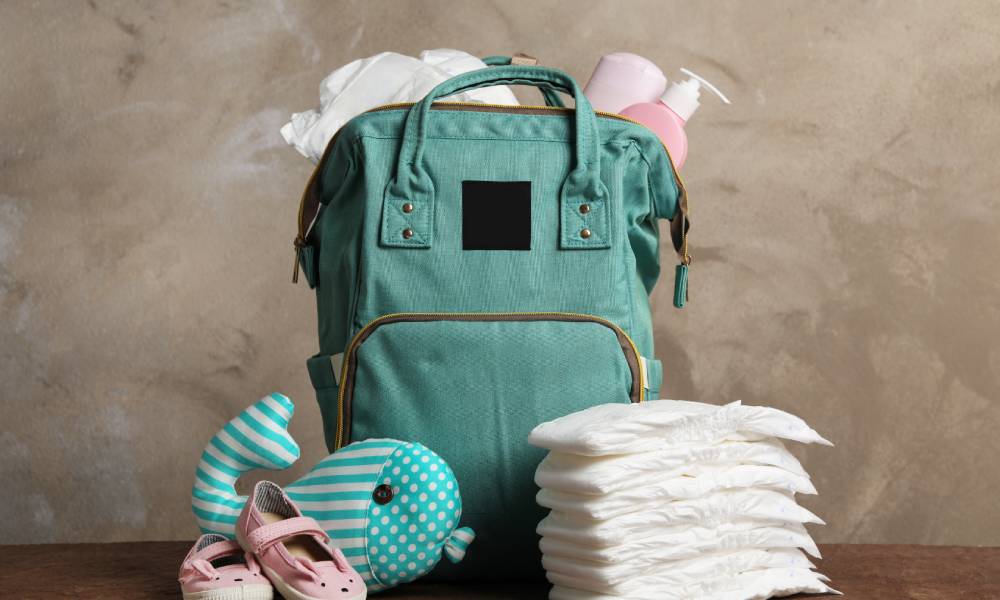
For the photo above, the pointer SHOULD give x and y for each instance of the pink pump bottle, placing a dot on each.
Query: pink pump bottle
(668, 116)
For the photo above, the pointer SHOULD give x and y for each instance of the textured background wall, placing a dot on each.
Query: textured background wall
(846, 238)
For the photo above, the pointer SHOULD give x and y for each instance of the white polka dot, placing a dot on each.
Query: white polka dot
(392, 567)
(449, 485)
(422, 518)
(394, 530)
(432, 486)
(442, 496)
(383, 540)
(415, 468)
(405, 479)
(404, 519)
(430, 563)
(395, 510)
(411, 566)
(395, 471)
(385, 520)
(376, 511)
(442, 477)
(413, 508)
(386, 481)
(406, 460)
(421, 556)
(398, 453)
(440, 535)
(374, 530)
(431, 526)
(451, 504)
(412, 548)
(401, 558)
(392, 549)
(413, 488)
(433, 506)
(402, 574)
(373, 549)
(395, 490)
(423, 497)
(441, 517)
(404, 498)
(424, 459)
(383, 559)
(423, 477)
(413, 528)
(434, 467)
(421, 538)
(449, 524)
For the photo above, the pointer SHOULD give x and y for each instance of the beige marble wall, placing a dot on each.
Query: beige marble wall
(846, 237)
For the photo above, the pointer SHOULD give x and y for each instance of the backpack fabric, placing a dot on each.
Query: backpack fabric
(481, 269)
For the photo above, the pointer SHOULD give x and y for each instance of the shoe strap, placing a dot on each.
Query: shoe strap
(218, 550)
(267, 535)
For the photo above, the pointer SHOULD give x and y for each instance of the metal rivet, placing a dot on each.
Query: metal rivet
(407, 233)
(407, 208)
(585, 233)
(584, 208)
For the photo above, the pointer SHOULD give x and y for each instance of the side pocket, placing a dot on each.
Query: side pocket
(323, 372)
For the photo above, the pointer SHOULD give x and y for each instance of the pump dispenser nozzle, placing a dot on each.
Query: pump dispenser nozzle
(682, 96)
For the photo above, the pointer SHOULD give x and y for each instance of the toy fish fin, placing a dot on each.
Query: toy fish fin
(457, 543)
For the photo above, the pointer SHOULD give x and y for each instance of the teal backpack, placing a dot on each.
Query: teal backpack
(480, 269)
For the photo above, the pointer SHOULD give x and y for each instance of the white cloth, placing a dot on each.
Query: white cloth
(385, 78)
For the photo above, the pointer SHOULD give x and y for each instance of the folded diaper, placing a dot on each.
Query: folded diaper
(636, 556)
(694, 482)
(750, 585)
(670, 499)
(715, 509)
(385, 78)
(672, 574)
(660, 424)
(606, 474)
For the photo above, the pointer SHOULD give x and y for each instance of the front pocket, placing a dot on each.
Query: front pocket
(471, 387)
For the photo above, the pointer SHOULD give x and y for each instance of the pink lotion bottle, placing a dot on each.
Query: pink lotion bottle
(622, 79)
(668, 116)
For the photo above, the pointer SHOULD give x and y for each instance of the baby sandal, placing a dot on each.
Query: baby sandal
(216, 568)
(294, 551)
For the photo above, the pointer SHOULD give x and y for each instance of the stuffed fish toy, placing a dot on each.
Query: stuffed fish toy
(393, 507)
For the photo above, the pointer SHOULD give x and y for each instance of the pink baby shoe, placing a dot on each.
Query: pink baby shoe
(216, 568)
(294, 551)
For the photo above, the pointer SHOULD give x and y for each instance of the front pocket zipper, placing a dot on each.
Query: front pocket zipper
(350, 363)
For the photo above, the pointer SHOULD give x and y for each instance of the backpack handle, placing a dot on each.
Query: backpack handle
(550, 96)
(413, 187)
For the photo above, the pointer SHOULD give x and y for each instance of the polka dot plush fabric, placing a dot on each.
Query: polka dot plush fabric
(414, 516)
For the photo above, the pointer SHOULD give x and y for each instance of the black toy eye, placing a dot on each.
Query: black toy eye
(382, 494)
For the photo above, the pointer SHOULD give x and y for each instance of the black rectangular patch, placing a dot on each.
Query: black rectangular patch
(496, 215)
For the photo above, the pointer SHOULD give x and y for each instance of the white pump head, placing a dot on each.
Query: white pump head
(682, 96)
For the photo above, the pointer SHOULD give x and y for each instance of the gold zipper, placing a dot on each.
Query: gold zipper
(507, 108)
(638, 374)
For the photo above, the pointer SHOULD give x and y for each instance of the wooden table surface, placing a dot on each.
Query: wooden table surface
(148, 570)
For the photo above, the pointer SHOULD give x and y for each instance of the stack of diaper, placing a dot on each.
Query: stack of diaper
(670, 499)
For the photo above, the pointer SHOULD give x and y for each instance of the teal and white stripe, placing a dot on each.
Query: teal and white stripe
(338, 492)
(458, 543)
(256, 439)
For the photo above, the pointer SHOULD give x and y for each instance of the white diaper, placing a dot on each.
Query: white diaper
(661, 424)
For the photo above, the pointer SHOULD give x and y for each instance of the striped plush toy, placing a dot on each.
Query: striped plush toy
(393, 507)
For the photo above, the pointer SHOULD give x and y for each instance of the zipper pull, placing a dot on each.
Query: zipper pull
(298, 257)
(681, 285)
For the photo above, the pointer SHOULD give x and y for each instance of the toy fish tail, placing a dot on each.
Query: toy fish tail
(257, 438)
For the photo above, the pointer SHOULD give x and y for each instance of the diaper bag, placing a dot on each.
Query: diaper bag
(480, 269)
